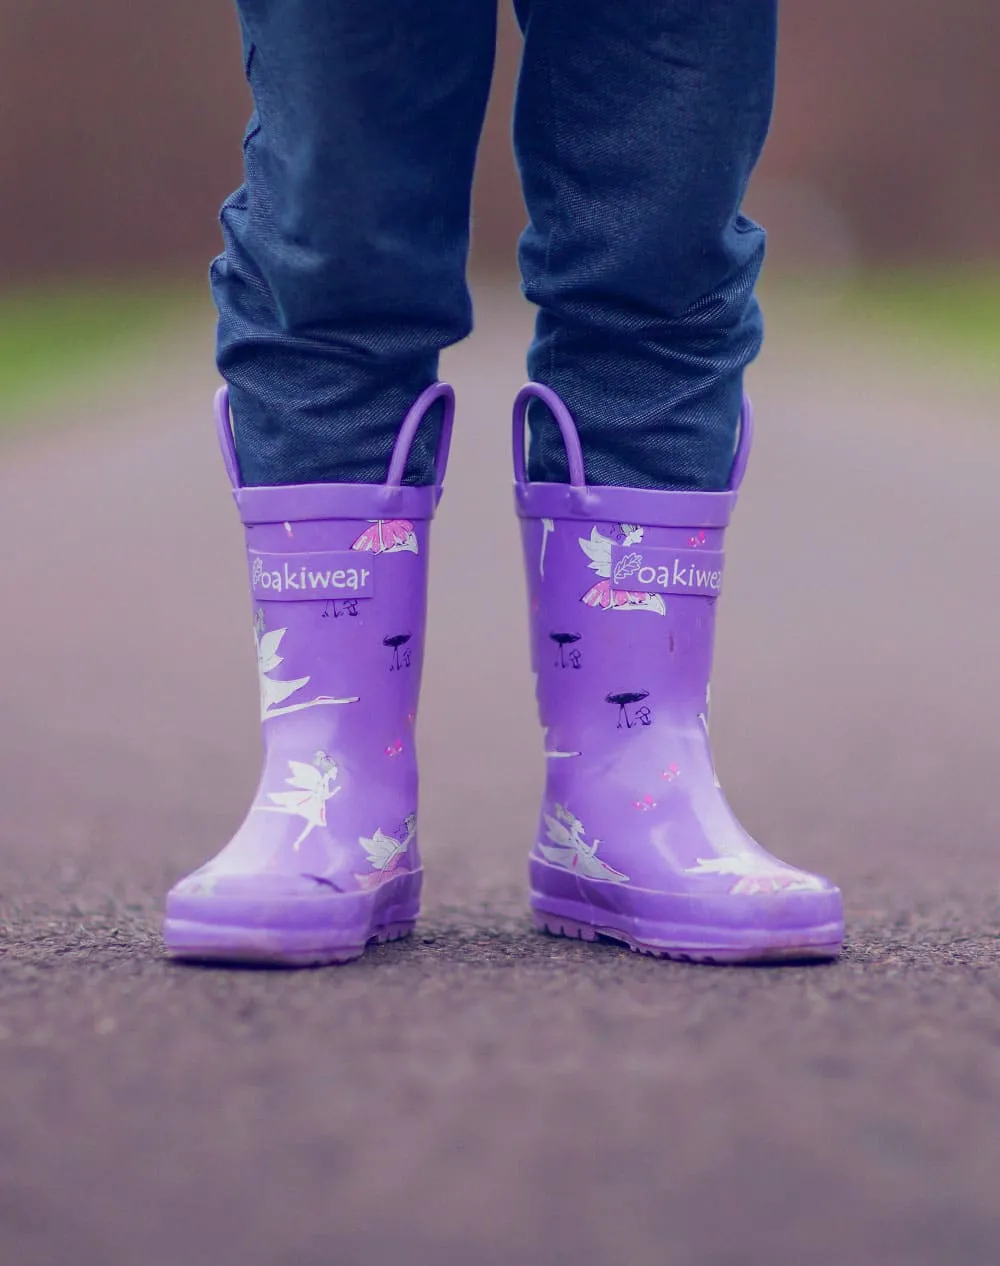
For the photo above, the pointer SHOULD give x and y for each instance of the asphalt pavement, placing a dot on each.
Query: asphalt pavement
(482, 1095)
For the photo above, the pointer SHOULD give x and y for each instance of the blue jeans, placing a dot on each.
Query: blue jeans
(637, 125)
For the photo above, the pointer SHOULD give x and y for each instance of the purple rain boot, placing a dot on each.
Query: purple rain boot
(326, 860)
(636, 841)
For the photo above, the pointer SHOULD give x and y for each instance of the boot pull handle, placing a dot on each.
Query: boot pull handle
(567, 429)
(224, 429)
(404, 441)
(742, 447)
(400, 452)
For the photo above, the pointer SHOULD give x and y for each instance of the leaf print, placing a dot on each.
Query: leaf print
(627, 566)
(605, 594)
(267, 650)
(598, 550)
(274, 692)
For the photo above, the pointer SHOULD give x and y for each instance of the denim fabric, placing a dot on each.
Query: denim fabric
(637, 126)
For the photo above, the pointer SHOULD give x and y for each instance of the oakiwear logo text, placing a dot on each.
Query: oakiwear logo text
(697, 572)
(302, 577)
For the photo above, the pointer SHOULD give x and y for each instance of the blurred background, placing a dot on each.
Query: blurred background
(123, 125)
(483, 1096)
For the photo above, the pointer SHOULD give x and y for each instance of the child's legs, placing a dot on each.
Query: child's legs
(638, 124)
(343, 273)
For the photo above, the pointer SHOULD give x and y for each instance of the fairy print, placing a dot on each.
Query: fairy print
(386, 852)
(568, 849)
(313, 787)
(273, 692)
(388, 536)
(610, 594)
(756, 875)
(548, 526)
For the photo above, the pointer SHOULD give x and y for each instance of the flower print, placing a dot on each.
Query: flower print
(385, 852)
(604, 595)
(757, 874)
(313, 787)
(388, 536)
(272, 692)
(568, 848)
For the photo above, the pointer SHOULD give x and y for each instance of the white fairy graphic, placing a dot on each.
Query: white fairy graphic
(568, 849)
(313, 788)
(386, 852)
(274, 692)
(548, 526)
(610, 593)
(388, 536)
(756, 874)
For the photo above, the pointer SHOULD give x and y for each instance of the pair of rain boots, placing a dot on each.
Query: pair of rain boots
(636, 841)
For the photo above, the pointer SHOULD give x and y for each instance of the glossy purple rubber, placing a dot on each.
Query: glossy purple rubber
(636, 841)
(326, 860)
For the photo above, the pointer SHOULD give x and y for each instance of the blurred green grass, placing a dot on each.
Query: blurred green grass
(944, 312)
(55, 339)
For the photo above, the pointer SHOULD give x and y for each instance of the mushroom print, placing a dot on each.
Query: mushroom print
(388, 536)
(562, 640)
(567, 848)
(610, 594)
(396, 641)
(273, 692)
(624, 701)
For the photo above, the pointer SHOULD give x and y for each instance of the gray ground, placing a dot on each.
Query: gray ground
(482, 1095)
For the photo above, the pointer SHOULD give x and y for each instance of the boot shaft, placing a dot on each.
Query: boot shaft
(622, 587)
(338, 581)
